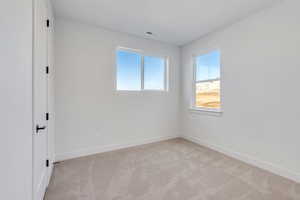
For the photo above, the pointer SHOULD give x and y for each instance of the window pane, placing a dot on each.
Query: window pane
(208, 94)
(128, 71)
(154, 73)
(208, 80)
(208, 66)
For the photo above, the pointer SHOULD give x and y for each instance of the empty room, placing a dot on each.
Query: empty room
(150, 100)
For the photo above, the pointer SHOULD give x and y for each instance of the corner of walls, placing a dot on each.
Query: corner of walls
(91, 116)
(181, 109)
(252, 129)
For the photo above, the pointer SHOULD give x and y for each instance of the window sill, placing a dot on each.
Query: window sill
(141, 91)
(205, 111)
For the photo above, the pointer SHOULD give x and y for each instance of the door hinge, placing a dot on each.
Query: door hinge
(47, 163)
(48, 23)
(47, 70)
(47, 116)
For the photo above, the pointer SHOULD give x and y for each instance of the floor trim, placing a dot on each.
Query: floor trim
(102, 149)
(248, 159)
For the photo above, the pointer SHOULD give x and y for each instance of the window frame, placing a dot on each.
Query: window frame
(193, 106)
(142, 66)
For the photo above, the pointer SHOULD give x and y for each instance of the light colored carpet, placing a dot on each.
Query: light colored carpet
(170, 170)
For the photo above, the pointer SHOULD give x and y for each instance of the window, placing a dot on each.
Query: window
(207, 94)
(137, 72)
(154, 73)
(128, 71)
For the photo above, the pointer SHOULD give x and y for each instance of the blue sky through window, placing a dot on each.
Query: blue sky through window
(154, 70)
(129, 66)
(128, 71)
(208, 66)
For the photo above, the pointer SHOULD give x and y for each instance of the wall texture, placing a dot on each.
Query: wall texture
(91, 116)
(16, 99)
(260, 88)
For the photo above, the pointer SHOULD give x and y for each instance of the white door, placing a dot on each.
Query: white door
(40, 143)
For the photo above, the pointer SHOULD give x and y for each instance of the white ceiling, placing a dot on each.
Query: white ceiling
(172, 21)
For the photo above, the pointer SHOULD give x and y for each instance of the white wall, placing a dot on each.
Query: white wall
(16, 99)
(261, 67)
(90, 115)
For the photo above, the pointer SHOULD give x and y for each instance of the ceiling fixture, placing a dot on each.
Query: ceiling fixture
(149, 33)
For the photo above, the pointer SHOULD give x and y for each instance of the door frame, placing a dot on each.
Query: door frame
(49, 59)
(50, 89)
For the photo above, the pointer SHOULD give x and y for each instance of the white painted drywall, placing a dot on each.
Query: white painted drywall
(90, 114)
(16, 99)
(260, 86)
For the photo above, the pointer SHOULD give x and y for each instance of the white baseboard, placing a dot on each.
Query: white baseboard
(248, 159)
(102, 149)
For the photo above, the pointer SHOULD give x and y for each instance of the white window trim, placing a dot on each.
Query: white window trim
(143, 54)
(193, 107)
